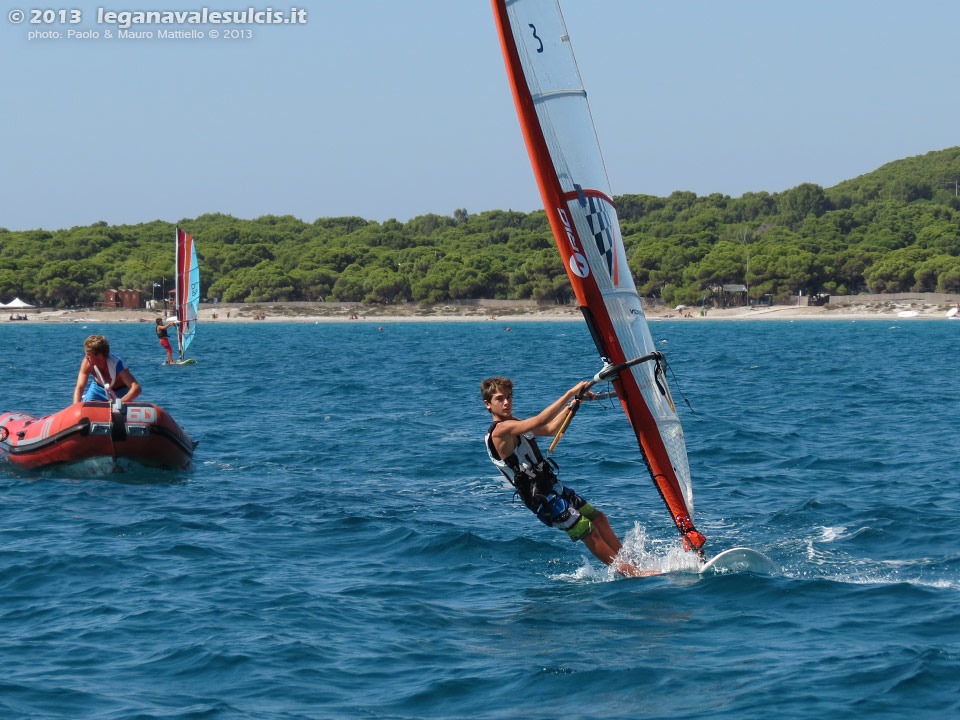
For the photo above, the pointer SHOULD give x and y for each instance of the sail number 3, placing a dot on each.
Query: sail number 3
(536, 37)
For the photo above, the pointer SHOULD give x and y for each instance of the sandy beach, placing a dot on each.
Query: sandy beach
(347, 312)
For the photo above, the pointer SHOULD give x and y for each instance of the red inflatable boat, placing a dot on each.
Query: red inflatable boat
(93, 438)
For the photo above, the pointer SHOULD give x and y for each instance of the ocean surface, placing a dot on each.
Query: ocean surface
(344, 549)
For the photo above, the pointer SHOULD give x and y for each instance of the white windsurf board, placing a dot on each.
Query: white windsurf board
(737, 560)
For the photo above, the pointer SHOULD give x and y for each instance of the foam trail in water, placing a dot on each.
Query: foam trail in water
(635, 551)
(661, 556)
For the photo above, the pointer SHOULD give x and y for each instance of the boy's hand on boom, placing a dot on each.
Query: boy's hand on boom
(577, 393)
(581, 391)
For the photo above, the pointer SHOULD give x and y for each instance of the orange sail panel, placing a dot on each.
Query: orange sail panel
(562, 144)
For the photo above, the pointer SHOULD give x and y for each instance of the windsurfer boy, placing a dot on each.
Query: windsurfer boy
(164, 340)
(118, 378)
(512, 448)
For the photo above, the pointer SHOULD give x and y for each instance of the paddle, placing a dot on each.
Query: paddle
(607, 373)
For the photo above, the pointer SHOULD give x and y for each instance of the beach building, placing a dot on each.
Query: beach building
(130, 299)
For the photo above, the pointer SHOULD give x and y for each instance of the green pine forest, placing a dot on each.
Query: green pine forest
(896, 229)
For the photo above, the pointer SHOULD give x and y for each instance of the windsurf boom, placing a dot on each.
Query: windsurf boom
(562, 144)
(187, 290)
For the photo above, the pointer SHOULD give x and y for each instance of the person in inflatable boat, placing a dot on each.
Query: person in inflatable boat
(117, 377)
(512, 448)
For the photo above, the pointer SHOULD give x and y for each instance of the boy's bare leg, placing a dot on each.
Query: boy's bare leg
(602, 525)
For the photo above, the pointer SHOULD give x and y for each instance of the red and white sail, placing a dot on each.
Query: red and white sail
(563, 147)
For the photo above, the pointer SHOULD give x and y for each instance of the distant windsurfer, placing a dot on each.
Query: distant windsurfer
(511, 446)
(119, 379)
(164, 340)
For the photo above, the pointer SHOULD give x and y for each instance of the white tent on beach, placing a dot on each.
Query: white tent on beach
(16, 304)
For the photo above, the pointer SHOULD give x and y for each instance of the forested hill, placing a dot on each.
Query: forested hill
(896, 229)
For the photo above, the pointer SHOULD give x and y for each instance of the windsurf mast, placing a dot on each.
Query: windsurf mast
(562, 143)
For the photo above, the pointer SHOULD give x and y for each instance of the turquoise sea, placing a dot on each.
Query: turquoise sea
(344, 549)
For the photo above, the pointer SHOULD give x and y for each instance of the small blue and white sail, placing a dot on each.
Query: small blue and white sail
(187, 290)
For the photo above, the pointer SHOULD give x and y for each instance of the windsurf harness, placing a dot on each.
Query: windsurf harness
(532, 476)
(535, 481)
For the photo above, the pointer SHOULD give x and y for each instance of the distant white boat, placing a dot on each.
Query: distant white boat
(952, 312)
(907, 313)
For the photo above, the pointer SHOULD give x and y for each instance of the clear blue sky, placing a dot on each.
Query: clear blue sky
(396, 108)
